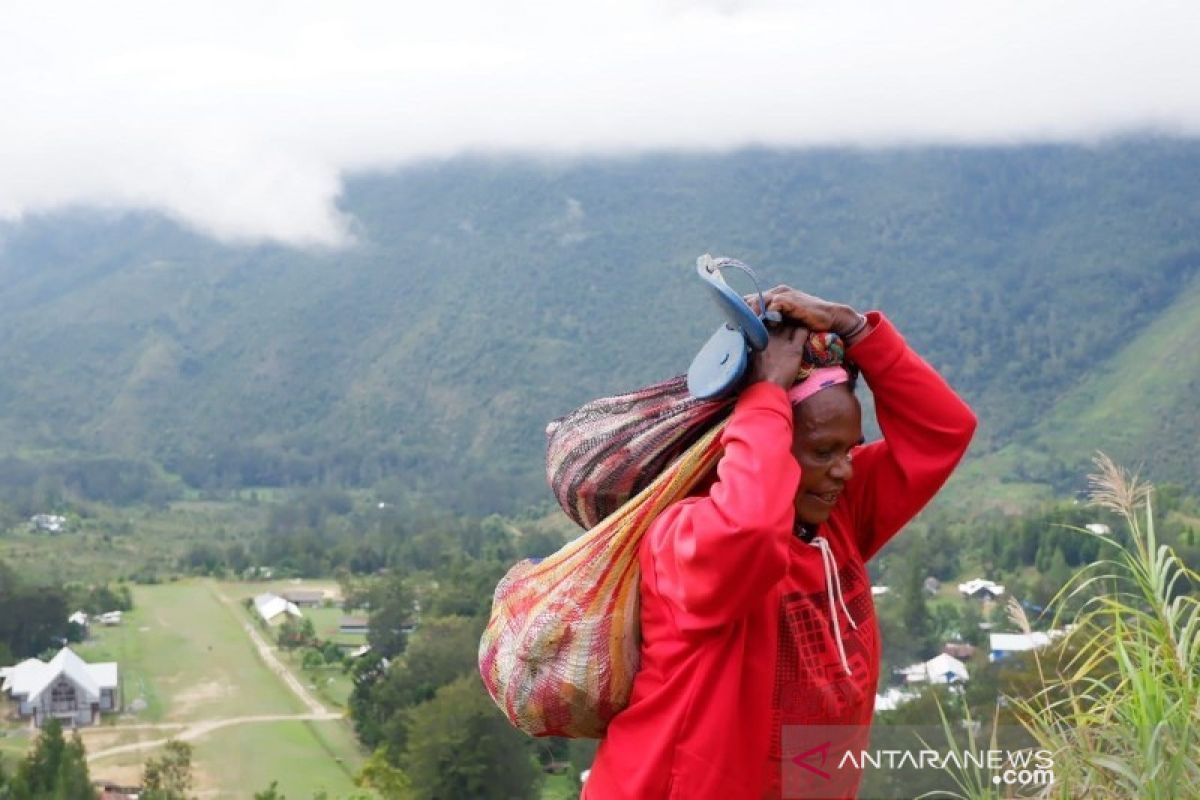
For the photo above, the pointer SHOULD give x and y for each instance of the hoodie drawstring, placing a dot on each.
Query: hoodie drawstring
(834, 585)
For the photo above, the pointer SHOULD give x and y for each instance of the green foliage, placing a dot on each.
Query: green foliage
(56, 769)
(294, 633)
(34, 618)
(168, 776)
(388, 781)
(1121, 709)
(393, 615)
(101, 598)
(442, 650)
(270, 793)
(460, 745)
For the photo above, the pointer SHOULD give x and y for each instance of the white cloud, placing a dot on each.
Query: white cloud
(242, 118)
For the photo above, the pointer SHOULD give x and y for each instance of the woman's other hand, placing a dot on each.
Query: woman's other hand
(779, 362)
(812, 312)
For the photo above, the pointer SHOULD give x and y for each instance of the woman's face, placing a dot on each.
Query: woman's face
(826, 427)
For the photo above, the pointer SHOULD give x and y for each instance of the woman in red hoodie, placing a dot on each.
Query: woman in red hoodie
(756, 608)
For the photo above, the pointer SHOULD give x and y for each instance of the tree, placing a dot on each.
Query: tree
(169, 776)
(56, 769)
(442, 650)
(369, 720)
(295, 633)
(390, 782)
(270, 793)
(392, 614)
(460, 745)
(914, 612)
(73, 781)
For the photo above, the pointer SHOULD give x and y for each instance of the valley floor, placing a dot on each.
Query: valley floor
(199, 669)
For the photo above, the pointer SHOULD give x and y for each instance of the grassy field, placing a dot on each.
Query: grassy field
(186, 654)
(238, 761)
(331, 684)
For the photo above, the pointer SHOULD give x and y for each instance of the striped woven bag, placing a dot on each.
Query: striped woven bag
(562, 644)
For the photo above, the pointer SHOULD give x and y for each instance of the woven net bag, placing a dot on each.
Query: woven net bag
(605, 452)
(562, 644)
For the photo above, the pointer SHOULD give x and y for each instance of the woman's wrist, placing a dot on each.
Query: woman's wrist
(851, 325)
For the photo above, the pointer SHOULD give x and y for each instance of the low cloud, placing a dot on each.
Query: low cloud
(241, 119)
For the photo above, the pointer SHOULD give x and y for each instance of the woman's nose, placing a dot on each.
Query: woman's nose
(843, 468)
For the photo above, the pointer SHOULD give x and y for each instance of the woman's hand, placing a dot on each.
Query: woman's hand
(779, 362)
(812, 312)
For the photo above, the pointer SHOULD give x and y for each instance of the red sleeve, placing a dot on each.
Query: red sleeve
(926, 430)
(715, 556)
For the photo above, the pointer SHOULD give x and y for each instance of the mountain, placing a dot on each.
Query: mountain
(1138, 405)
(484, 297)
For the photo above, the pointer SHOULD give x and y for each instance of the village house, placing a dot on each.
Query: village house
(67, 689)
(893, 698)
(981, 589)
(48, 523)
(304, 598)
(940, 669)
(272, 608)
(354, 625)
(1002, 645)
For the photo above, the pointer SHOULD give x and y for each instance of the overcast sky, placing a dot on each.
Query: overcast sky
(241, 119)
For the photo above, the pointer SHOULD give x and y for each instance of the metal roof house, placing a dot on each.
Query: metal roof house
(270, 606)
(304, 598)
(939, 669)
(67, 688)
(1001, 645)
(981, 588)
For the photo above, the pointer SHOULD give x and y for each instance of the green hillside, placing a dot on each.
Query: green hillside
(485, 297)
(1139, 406)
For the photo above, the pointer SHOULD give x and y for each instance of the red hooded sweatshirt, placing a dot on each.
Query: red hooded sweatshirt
(746, 627)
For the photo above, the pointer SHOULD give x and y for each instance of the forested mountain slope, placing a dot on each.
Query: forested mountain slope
(484, 297)
(1139, 406)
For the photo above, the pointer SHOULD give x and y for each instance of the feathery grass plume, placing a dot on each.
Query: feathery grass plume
(1120, 710)
(1115, 488)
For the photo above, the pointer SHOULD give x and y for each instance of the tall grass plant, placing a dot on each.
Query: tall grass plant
(1120, 707)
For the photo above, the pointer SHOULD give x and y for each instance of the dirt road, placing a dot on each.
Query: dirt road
(195, 730)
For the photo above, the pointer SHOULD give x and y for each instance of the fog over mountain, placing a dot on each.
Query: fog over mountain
(245, 120)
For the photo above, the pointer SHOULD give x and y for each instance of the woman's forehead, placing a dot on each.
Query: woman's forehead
(830, 411)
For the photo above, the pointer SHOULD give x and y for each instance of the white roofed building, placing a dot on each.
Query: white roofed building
(1001, 645)
(271, 607)
(67, 688)
(982, 588)
(939, 669)
(893, 698)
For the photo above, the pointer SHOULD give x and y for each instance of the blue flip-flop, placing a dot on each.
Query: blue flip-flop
(718, 369)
